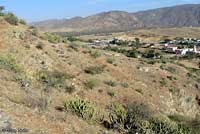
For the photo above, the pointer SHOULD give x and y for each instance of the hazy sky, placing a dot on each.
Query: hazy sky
(36, 10)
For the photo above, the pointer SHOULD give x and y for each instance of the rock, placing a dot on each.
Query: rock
(4, 121)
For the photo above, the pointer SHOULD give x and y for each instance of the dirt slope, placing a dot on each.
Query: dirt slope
(24, 99)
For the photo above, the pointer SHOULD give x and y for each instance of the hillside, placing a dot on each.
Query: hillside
(39, 73)
(177, 16)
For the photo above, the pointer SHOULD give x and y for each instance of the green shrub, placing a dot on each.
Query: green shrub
(117, 116)
(173, 90)
(35, 32)
(23, 22)
(110, 60)
(95, 69)
(132, 53)
(39, 45)
(163, 82)
(51, 38)
(9, 63)
(163, 126)
(82, 108)
(111, 83)
(11, 18)
(1, 10)
(138, 119)
(70, 88)
(95, 54)
(125, 84)
(53, 79)
(72, 39)
(91, 84)
(168, 68)
(111, 93)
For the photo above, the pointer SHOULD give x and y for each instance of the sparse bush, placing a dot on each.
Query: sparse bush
(111, 93)
(51, 38)
(72, 39)
(82, 108)
(44, 102)
(151, 54)
(139, 91)
(23, 22)
(132, 53)
(111, 83)
(125, 84)
(117, 116)
(95, 54)
(11, 18)
(163, 126)
(1, 10)
(53, 79)
(95, 69)
(40, 45)
(138, 119)
(91, 84)
(35, 32)
(9, 63)
(70, 88)
(173, 90)
(169, 69)
(110, 60)
(163, 82)
(74, 46)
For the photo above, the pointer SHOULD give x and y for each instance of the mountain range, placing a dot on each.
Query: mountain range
(177, 16)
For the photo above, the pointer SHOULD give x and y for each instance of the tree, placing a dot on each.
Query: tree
(11, 18)
(1, 8)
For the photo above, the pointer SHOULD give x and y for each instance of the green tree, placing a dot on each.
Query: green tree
(1, 9)
(11, 18)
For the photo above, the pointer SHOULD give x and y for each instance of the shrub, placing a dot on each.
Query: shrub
(95, 69)
(132, 53)
(11, 18)
(1, 9)
(163, 126)
(82, 108)
(72, 39)
(163, 82)
(110, 60)
(125, 84)
(173, 91)
(110, 83)
(151, 54)
(138, 119)
(40, 45)
(91, 83)
(130, 120)
(111, 93)
(21, 21)
(51, 38)
(95, 54)
(53, 79)
(9, 63)
(70, 88)
(117, 116)
(35, 32)
(168, 68)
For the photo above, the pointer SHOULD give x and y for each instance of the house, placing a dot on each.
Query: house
(184, 51)
(172, 49)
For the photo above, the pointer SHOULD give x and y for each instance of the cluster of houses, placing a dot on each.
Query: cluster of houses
(181, 46)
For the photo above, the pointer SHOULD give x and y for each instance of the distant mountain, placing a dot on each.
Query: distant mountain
(177, 16)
